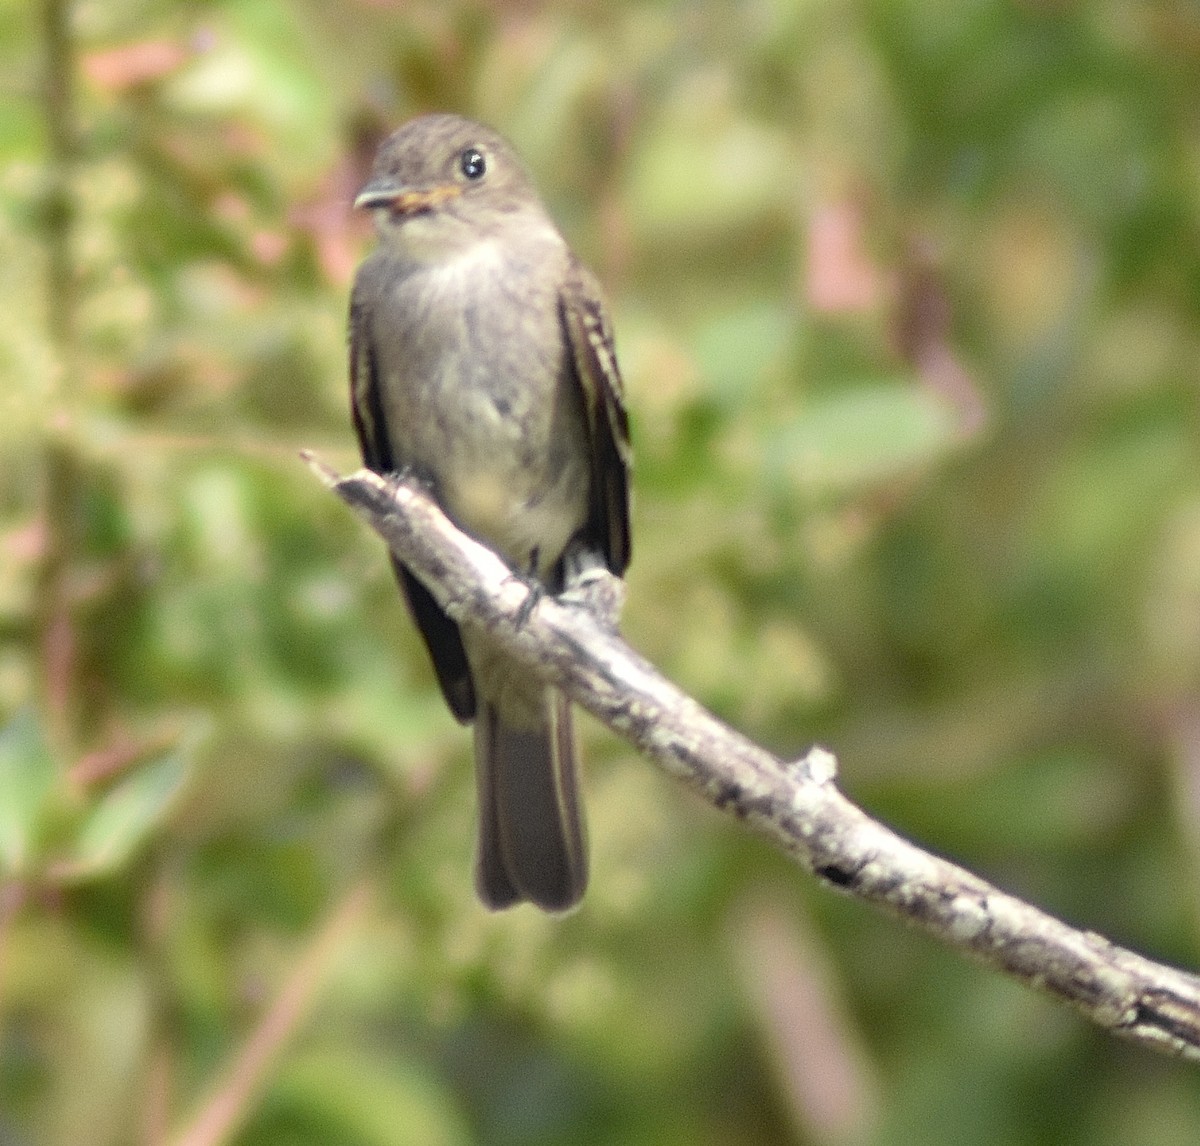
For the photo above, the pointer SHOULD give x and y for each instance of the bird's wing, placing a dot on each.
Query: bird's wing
(589, 336)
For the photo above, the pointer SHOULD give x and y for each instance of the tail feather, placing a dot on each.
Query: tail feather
(531, 835)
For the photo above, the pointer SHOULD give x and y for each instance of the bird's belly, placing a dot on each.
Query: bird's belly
(507, 467)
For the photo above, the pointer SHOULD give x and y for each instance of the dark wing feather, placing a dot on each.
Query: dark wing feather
(441, 634)
(590, 339)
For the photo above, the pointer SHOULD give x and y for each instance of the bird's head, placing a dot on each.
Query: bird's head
(442, 182)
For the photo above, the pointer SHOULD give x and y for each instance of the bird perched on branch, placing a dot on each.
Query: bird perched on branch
(481, 362)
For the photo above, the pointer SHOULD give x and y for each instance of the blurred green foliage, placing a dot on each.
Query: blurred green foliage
(907, 298)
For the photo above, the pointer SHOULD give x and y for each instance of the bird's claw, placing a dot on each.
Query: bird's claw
(592, 585)
(534, 591)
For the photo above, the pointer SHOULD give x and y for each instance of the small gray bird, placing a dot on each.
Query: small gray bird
(481, 361)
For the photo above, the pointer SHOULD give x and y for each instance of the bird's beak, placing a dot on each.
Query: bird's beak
(405, 200)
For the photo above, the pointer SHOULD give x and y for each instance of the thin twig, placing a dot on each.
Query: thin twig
(227, 1106)
(796, 804)
(58, 97)
(61, 478)
(104, 764)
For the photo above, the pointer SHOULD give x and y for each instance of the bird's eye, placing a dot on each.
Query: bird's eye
(472, 163)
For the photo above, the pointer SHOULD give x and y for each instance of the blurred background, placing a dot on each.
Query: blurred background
(907, 295)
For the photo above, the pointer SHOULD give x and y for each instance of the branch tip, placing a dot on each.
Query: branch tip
(327, 476)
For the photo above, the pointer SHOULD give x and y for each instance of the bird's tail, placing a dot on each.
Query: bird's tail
(531, 834)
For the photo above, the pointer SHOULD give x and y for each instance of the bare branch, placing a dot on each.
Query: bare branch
(796, 804)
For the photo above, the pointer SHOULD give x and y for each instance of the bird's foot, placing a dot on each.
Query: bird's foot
(591, 585)
(407, 475)
(534, 591)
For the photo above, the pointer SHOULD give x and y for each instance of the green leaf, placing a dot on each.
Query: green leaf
(738, 348)
(701, 171)
(368, 1100)
(127, 814)
(859, 437)
(27, 774)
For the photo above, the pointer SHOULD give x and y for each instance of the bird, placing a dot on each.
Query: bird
(482, 364)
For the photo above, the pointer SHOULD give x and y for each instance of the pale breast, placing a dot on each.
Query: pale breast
(479, 396)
